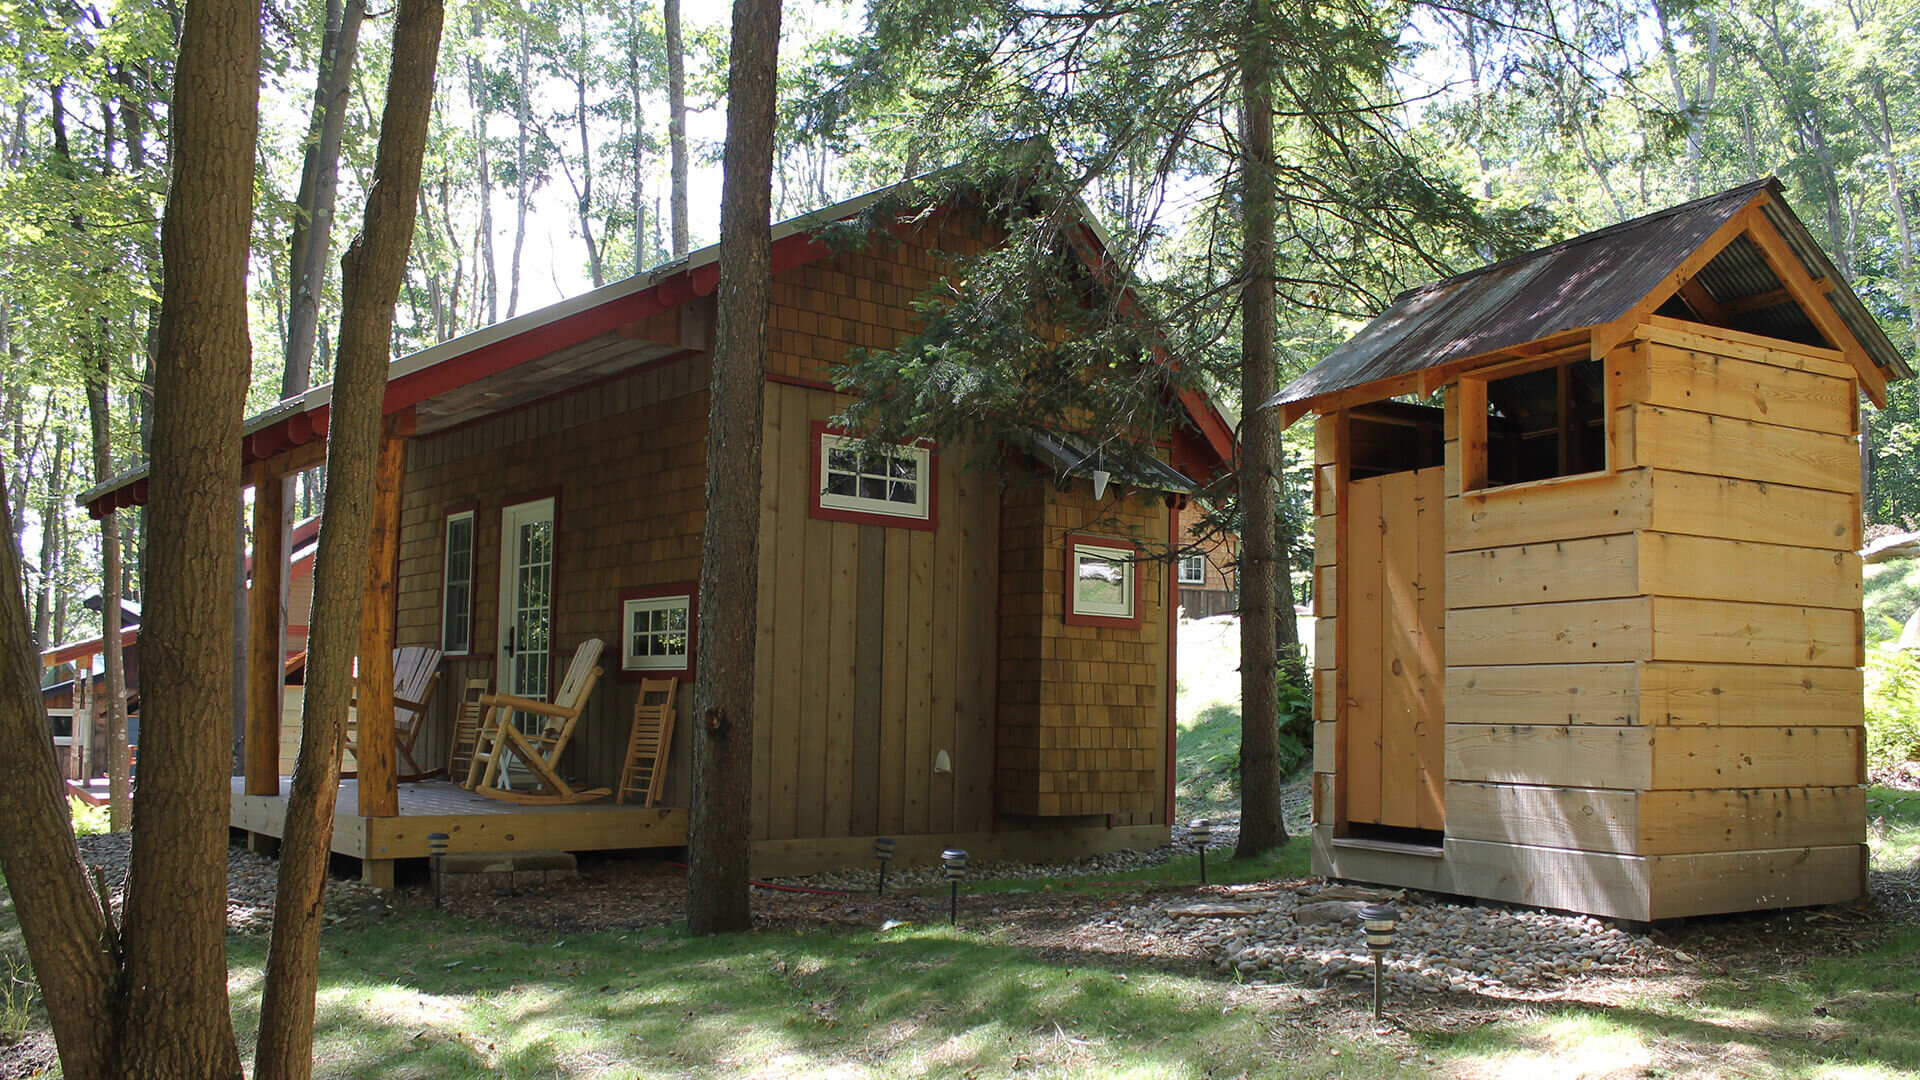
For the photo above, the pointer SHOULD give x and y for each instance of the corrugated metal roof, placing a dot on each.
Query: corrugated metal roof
(1589, 280)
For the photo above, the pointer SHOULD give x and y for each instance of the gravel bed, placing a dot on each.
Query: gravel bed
(250, 884)
(1310, 934)
(1091, 868)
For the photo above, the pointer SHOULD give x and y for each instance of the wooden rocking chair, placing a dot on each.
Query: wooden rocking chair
(651, 742)
(416, 674)
(539, 753)
(466, 729)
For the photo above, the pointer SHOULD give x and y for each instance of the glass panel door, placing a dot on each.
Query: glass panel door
(526, 605)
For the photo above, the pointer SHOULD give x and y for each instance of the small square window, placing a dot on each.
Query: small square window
(1103, 587)
(657, 632)
(874, 484)
(1193, 569)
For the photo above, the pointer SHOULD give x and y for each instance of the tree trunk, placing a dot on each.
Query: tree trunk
(1262, 563)
(486, 281)
(638, 104)
(75, 955)
(310, 249)
(114, 675)
(177, 1016)
(677, 126)
(371, 277)
(717, 892)
(523, 122)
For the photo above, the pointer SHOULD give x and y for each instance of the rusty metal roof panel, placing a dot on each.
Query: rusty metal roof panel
(1591, 279)
(1587, 281)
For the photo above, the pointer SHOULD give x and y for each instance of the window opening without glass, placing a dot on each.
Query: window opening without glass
(1543, 424)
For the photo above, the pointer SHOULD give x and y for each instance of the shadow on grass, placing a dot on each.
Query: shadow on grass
(1861, 1010)
(437, 996)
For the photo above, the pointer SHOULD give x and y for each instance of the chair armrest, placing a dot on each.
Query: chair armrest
(544, 708)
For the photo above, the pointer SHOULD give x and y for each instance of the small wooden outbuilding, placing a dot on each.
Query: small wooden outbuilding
(1590, 630)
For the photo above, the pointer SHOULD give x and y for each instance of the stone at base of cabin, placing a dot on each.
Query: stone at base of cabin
(1327, 911)
(504, 872)
(1361, 893)
(1215, 910)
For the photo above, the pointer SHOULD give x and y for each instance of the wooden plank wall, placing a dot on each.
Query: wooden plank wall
(626, 464)
(1082, 708)
(1660, 662)
(876, 651)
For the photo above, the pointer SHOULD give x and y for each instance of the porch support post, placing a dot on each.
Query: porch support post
(374, 750)
(266, 633)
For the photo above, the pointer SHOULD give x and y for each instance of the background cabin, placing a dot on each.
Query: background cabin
(949, 652)
(1590, 629)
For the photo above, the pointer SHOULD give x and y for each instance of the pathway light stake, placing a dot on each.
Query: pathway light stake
(1200, 829)
(437, 847)
(1379, 921)
(883, 850)
(955, 860)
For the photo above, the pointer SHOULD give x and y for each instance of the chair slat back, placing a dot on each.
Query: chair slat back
(571, 688)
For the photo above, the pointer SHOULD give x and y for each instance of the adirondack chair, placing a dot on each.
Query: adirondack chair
(540, 753)
(649, 744)
(416, 674)
(466, 729)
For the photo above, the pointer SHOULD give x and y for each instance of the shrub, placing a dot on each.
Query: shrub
(1893, 705)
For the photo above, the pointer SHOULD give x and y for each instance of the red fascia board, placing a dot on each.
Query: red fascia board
(67, 654)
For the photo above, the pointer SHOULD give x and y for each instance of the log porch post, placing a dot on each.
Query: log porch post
(266, 631)
(374, 749)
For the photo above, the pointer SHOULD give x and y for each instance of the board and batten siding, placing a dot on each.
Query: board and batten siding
(876, 650)
(1653, 696)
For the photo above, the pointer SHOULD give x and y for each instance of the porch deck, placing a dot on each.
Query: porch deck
(473, 823)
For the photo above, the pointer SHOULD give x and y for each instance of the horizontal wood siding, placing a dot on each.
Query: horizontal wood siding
(1653, 672)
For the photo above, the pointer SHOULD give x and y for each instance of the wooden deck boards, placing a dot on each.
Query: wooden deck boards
(473, 823)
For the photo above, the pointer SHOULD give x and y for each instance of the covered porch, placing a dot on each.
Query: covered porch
(473, 823)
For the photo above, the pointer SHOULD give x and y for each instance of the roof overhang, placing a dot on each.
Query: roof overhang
(1739, 261)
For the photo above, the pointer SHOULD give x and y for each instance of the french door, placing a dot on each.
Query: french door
(525, 625)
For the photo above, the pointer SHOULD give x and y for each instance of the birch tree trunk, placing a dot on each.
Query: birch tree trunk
(677, 127)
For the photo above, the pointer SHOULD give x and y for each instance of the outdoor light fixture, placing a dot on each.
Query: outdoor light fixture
(1379, 921)
(955, 861)
(437, 847)
(1100, 478)
(1200, 828)
(883, 851)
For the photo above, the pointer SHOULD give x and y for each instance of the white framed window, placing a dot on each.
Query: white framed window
(657, 633)
(1193, 569)
(1102, 581)
(456, 594)
(894, 481)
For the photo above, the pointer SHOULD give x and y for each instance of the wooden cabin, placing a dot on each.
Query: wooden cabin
(948, 654)
(1208, 568)
(1590, 624)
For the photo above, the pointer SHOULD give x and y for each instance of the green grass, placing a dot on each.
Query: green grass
(1893, 825)
(437, 997)
(1208, 715)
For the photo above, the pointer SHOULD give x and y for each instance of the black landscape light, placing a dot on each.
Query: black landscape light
(1379, 920)
(955, 861)
(1200, 828)
(437, 847)
(883, 851)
